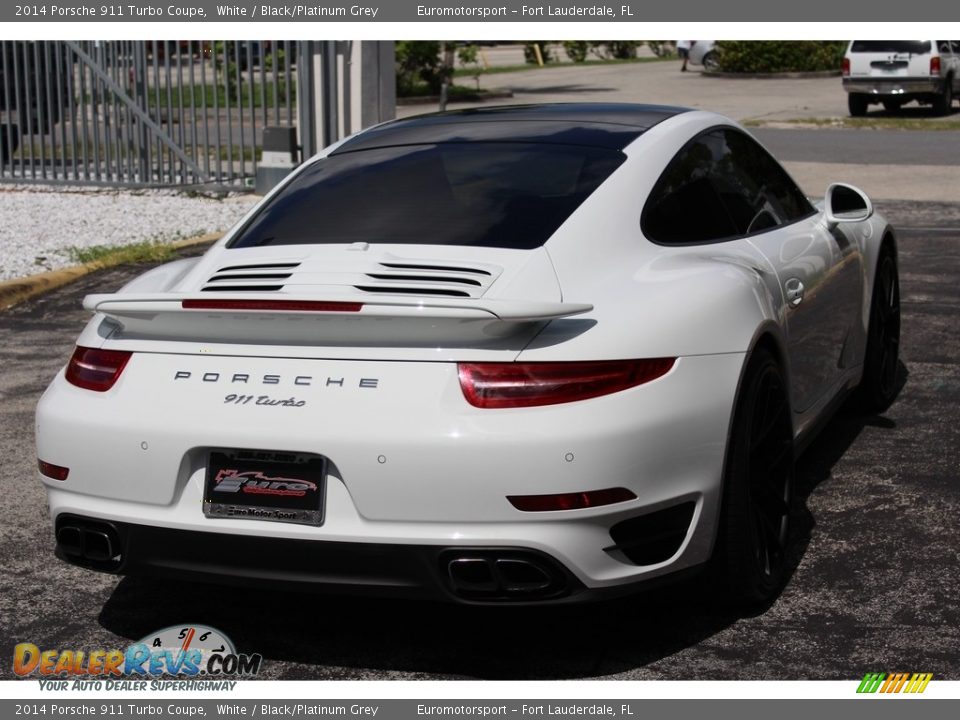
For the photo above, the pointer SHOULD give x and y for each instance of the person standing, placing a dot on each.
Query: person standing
(683, 50)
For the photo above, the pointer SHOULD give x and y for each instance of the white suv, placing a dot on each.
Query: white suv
(894, 72)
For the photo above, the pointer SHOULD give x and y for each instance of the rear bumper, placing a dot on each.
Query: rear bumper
(894, 86)
(467, 575)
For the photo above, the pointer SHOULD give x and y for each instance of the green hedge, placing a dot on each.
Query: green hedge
(418, 61)
(750, 56)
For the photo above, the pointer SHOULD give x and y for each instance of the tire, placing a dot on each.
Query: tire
(943, 103)
(892, 106)
(710, 62)
(753, 534)
(878, 387)
(857, 104)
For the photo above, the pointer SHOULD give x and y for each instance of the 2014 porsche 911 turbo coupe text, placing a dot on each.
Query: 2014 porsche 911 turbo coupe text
(522, 354)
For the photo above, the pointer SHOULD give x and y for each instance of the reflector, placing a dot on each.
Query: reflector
(53, 471)
(570, 501)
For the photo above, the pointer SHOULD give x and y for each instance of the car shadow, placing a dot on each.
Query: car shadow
(816, 465)
(307, 636)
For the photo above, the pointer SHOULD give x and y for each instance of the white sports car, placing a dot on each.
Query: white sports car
(522, 354)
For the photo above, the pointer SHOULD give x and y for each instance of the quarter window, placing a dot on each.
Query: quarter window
(721, 185)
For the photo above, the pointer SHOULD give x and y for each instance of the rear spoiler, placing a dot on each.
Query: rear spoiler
(122, 306)
(277, 319)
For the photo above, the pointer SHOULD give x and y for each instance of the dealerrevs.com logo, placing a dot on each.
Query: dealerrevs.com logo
(887, 683)
(198, 656)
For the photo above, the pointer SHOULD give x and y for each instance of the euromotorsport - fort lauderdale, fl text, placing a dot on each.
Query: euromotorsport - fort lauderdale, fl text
(483, 11)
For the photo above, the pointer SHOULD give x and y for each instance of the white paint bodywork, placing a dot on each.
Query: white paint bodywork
(411, 462)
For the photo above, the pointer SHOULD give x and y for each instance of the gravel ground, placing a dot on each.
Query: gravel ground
(39, 225)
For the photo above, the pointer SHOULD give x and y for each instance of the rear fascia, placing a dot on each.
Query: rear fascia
(396, 474)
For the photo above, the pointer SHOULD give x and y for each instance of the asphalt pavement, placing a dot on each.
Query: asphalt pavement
(866, 147)
(874, 587)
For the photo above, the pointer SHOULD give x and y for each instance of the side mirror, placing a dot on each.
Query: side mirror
(844, 204)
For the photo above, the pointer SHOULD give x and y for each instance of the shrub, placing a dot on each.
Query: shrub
(226, 72)
(275, 58)
(662, 48)
(604, 49)
(530, 55)
(469, 57)
(576, 50)
(741, 56)
(622, 49)
(419, 61)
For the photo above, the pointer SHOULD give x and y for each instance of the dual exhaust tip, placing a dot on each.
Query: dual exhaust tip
(492, 575)
(91, 544)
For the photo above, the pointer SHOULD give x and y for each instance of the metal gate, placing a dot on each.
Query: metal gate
(143, 114)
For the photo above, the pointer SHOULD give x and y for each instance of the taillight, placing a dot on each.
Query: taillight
(96, 370)
(935, 65)
(571, 501)
(511, 385)
(846, 67)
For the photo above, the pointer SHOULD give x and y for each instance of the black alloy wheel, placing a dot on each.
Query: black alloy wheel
(879, 385)
(754, 528)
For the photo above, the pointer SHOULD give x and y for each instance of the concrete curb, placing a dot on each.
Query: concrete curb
(17, 290)
(772, 76)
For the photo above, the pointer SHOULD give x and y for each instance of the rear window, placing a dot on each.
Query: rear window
(509, 195)
(900, 47)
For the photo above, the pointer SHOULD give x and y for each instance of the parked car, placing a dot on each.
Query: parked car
(520, 354)
(896, 72)
(704, 52)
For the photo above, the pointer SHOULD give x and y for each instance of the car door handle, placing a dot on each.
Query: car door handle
(794, 290)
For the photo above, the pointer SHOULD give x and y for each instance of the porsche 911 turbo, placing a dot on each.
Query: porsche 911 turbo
(530, 354)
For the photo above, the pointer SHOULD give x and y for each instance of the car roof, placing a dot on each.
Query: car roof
(605, 125)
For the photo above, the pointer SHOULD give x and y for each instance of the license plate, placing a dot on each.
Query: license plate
(265, 485)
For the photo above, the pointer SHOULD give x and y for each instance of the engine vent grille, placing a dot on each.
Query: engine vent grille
(420, 278)
(401, 290)
(408, 278)
(355, 275)
(442, 268)
(250, 278)
(242, 288)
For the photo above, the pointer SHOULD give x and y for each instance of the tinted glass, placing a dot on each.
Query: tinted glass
(762, 183)
(482, 194)
(912, 47)
(721, 185)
